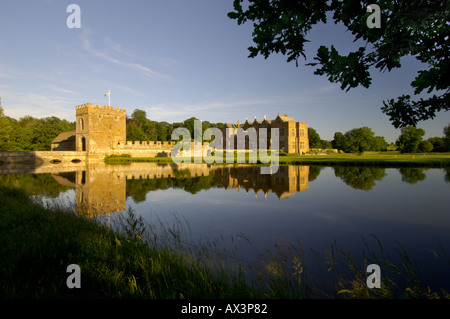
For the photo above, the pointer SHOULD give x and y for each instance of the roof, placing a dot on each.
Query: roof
(64, 137)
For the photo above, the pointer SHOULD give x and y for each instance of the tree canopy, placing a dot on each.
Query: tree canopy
(359, 140)
(29, 133)
(417, 28)
(140, 128)
(409, 139)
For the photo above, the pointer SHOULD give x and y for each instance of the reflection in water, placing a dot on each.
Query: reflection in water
(447, 175)
(412, 175)
(285, 183)
(360, 177)
(102, 189)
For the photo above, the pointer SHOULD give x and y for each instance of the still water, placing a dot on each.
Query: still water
(237, 206)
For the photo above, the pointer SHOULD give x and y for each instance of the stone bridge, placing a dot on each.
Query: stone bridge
(44, 159)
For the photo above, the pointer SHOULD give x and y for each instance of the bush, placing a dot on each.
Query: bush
(425, 146)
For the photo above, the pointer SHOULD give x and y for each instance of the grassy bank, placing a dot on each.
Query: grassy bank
(381, 159)
(37, 245)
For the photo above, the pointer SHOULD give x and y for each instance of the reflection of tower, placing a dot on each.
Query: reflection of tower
(99, 191)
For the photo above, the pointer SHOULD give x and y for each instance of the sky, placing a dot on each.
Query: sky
(177, 59)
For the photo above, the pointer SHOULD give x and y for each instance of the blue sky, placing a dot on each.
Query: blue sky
(176, 59)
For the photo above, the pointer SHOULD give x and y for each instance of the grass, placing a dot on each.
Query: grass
(131, 259)
(380, 159)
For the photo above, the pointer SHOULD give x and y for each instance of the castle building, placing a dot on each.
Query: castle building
(101, 130)
(98, 130)
(293, 136)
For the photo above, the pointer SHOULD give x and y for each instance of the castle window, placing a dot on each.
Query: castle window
(302, 145)
(302, 132)
(293, 131)
(81, 124)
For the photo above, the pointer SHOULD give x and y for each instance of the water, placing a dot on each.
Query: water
(249, 213)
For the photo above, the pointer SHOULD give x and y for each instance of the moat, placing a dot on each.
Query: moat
(248, 213)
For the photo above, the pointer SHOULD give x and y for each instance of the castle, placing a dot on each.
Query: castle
(101, 130)
(293, 136)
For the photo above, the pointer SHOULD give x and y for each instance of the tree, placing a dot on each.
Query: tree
(379, 144)
(358, 140)
(446, 131)
(314, 138)
(338, 141)
(5, 131)
(425, 146)
(438, 144)
(409, 139)
(134, 131)
(407, 28)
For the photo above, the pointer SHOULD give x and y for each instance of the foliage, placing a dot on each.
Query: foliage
(359, 140)
(314, 138)
(408, 28)
(425, 146)
(29, 133)
(140, 128)
(409, 139)
(446, 131)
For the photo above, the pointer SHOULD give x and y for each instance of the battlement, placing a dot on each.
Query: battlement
(90, 106)
(146, 144)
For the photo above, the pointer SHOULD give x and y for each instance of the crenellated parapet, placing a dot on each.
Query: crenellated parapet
(142, 145)
(99, 107)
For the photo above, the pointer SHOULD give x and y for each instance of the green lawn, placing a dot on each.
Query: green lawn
(385, 159)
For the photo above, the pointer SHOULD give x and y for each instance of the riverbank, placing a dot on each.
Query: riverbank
(37, 245)
(381, 159)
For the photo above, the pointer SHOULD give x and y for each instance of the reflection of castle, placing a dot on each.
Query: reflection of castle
(285, 183)
(102, 189)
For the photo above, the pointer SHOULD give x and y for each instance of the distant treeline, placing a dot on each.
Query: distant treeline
(360, 140)
(140, 128)
(32, 134)
(29, 133)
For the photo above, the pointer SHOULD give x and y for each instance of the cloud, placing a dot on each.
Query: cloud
(86, 45)
(39, 106)
(61, 89)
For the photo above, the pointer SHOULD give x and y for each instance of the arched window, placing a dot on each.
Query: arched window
(81, 124)
(83, 144)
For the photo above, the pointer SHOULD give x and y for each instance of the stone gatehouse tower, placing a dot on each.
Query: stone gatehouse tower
(99, 129)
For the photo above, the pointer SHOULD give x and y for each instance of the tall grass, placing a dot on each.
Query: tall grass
(128, 258)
